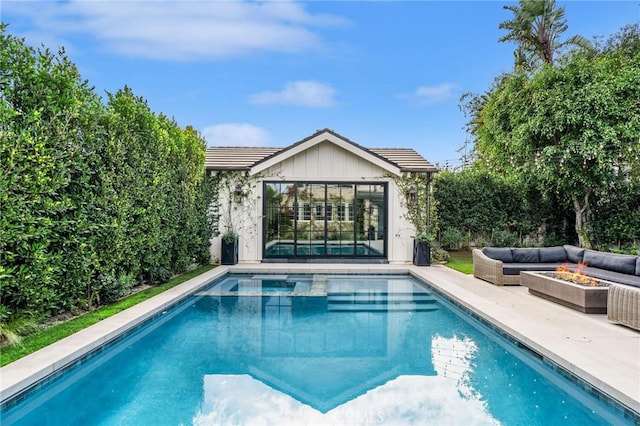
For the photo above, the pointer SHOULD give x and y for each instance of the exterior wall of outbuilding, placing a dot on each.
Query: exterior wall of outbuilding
(325, 163)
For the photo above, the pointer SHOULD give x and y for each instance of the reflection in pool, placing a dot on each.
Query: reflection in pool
(320, 249)
(341, 350)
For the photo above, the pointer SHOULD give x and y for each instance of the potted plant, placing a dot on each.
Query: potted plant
(229, 252)
(422, 249)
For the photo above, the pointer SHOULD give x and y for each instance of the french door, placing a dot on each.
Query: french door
(312, 219)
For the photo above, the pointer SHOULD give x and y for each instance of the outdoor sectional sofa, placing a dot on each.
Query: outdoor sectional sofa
(502, 266)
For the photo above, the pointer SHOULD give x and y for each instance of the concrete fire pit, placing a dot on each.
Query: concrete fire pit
(587, 299)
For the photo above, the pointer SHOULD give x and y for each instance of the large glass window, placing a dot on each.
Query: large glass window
(308, 219)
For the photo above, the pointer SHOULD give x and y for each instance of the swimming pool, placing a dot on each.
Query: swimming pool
(328, 349)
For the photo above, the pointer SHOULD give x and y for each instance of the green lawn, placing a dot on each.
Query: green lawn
(461, 261)
(47, 336)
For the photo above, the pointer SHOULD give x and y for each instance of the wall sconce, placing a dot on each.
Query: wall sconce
(412, 195)
(238, 194)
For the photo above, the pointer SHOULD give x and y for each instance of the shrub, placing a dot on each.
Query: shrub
(551, 240)
(503, 238)
(482, 241)
(439, 255)
(476, 201)
(452, 239)
(108, 288)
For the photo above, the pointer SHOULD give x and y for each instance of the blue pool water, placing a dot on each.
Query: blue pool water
(317, 249)
(326, 350)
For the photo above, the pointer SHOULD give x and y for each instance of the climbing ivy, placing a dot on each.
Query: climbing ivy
(420, 207)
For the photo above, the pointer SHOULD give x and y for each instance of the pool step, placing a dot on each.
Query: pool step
(374, 302)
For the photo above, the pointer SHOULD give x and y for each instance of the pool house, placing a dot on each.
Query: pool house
(322, 199)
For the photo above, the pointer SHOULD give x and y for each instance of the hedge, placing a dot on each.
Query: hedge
(95, 198)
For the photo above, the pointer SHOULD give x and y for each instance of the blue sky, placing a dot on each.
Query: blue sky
(381, 73)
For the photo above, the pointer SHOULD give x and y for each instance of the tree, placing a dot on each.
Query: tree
(536, 28)
(574, 127)
(625, 42)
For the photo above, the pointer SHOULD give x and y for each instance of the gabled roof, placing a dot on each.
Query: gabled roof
(406, 158)
(258, 159)
(236, 158)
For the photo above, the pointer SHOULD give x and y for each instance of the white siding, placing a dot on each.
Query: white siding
(323, 162)
(400, 230)
(246, 220)
(327, 162)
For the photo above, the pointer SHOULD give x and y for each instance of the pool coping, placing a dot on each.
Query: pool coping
(586, 345)
(27, 371)
(602, 354)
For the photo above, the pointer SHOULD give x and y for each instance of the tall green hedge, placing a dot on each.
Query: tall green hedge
(617, 215)
(485, 208)
(94, 197)
(476, 205)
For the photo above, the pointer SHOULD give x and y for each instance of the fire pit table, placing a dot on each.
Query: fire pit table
(590, 299)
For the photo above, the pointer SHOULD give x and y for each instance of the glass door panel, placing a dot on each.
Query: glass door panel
(303, 216)
(317, 225)
(333, 230)
(310, 227)
(326, 220)
(344, 213)
(370, 219)
(278, 219)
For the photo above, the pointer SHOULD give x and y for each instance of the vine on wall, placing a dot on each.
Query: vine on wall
(419, 205)
(234, 206)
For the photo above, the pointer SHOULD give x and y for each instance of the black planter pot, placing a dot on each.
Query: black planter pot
(421, 253)
(229, 252)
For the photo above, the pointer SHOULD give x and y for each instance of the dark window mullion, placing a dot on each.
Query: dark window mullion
(295, 219)
(355, 229)
(326, 224)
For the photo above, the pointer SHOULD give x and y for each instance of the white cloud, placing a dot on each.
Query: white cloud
(235, 134)
(299, 93)
(407, 399)
(432, 94)
(179, 30)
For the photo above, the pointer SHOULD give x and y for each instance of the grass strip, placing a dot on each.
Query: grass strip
(461, 261)
(49, 335)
